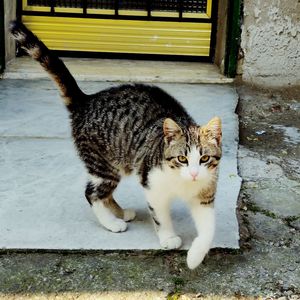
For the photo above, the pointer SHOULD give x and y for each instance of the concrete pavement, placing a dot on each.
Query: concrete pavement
(42, 169)
(266, 266)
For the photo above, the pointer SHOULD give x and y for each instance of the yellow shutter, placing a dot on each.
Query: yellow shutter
(121, 35)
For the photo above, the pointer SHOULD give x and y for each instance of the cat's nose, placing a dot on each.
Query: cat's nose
(194, 174)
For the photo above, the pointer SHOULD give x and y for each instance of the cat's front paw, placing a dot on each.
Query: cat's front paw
(129, 215)
(117, 225)
(196, 254)
(173, 242)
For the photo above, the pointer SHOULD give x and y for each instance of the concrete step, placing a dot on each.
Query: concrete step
(119, 70)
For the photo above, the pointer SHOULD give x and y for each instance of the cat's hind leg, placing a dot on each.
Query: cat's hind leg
(125, 214)
(108, 212)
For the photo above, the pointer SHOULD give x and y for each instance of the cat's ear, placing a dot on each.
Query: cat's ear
(172, 130)
(212, 130)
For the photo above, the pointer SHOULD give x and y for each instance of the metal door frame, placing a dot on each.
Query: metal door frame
(234, 21)
(2, 38)
(117, 13)
(210, 16)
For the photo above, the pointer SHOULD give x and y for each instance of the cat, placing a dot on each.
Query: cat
(139, 128)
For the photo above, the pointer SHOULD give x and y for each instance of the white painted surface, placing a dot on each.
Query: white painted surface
(42, 181)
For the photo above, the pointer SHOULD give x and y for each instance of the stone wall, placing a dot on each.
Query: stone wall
(270, 43)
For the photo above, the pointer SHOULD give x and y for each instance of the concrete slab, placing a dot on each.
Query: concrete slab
(42, 181)
(93, 69)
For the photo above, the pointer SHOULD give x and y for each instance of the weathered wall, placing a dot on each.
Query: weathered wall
(271, 42)
(9, 14)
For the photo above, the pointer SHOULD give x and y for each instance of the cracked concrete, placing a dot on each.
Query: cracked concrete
(268, 264)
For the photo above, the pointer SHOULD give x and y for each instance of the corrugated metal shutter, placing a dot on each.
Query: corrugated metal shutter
(92, 29)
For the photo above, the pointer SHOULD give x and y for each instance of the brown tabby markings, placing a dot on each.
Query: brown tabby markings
(139, 128)
(207, 196)
(114, 207)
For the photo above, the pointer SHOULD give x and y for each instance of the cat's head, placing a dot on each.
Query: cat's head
(194, 151)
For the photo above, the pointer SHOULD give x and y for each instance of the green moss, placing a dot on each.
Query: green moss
(254, 208)
(178, 281)
(291, 219)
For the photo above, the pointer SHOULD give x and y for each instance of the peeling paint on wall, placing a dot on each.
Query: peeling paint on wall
(271, 42)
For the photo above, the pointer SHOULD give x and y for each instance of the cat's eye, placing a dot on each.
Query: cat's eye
(182, 159)
(204, 159)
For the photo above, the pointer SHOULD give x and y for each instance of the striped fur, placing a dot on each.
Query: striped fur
(67, 85)
(138, 128)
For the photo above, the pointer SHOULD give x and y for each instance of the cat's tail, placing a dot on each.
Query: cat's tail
(69, 90)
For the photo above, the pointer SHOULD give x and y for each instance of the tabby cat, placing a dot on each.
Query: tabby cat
(139, 128)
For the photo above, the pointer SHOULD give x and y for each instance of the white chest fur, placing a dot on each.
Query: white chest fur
(164, 185)
(169, 183)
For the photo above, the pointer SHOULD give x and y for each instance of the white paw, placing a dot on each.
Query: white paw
(196, 254)
(117, 225)
(129, 214)
(194, 259)
(172, 242)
